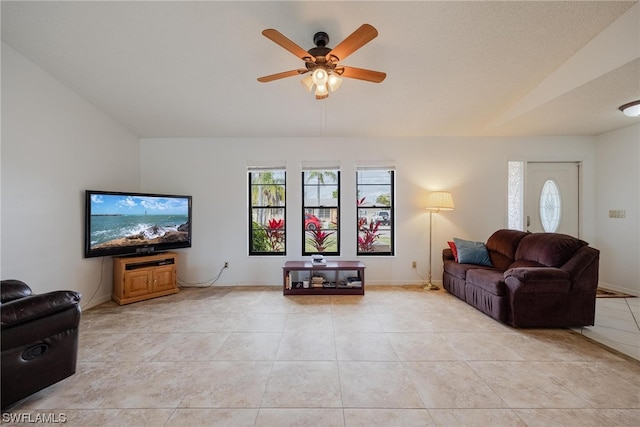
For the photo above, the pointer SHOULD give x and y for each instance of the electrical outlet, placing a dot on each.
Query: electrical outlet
(226, 264)
(414, 265)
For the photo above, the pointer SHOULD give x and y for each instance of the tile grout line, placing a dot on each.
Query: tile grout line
(626, 300)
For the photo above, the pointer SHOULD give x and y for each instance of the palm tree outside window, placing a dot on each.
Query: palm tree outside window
(267, 212)
(321, 211)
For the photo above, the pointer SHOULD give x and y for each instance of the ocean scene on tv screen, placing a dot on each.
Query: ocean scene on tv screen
(128, 220)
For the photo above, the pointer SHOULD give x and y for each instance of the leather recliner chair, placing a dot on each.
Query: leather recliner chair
(39, 339)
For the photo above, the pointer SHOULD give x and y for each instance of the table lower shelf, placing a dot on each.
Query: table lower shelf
(325, 291)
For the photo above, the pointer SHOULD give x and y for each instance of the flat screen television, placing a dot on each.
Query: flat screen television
(118, 223)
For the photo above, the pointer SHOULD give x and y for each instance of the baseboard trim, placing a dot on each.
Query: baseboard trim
(96, 301)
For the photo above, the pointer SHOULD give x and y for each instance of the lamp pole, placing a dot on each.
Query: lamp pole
(430, 286)
(436, 201)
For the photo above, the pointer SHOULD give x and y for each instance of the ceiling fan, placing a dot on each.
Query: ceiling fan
(323, 62)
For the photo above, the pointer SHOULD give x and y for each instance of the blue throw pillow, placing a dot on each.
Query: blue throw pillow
(472, 252)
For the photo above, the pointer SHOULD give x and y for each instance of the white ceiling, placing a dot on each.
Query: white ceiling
(189, 69)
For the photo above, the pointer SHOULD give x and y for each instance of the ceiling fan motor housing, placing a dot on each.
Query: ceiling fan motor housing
(320, 52)
(321, 39)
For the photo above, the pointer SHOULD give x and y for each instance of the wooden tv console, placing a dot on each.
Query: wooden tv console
(138, 278)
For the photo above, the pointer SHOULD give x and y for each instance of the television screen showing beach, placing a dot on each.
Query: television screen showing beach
(126, 220)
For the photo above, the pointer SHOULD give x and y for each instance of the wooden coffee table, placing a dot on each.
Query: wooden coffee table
(331, 278)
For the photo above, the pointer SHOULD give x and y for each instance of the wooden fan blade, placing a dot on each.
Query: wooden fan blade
(355, 41)
(361, 74)
(282, 75)
(277, 37)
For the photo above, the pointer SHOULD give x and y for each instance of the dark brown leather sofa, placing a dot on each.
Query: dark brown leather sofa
(535, 279)
(39, 339)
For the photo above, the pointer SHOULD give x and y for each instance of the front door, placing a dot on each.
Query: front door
(551, 200)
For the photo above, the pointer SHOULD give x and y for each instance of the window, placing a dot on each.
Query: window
(321, 211)
(516, 195)
(375, 207)
(267, 207)
(550, 207)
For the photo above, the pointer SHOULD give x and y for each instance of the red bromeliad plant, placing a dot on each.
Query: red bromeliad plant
(367, 236)
(275, 233)
(318, 239)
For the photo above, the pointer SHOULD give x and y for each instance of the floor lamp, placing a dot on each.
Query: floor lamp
(436, 201)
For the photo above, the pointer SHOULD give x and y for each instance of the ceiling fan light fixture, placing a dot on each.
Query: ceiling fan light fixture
(631, 109)
(323, 81)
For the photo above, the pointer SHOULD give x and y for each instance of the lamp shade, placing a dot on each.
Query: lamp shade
(320, 76)
(321, 91)
(334, 82)
(307, 82)
(439, 200)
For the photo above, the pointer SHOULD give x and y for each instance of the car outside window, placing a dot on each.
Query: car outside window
(321, 211)
(375, 207)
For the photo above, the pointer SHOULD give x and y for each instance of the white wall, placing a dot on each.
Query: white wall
(473, 169)
(54, 146)
(618, 188)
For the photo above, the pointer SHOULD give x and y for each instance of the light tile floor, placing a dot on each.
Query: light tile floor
(617, 325)
(398, 356)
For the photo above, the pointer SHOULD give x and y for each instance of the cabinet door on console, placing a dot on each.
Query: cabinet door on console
(164, 278)
(137, 283)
